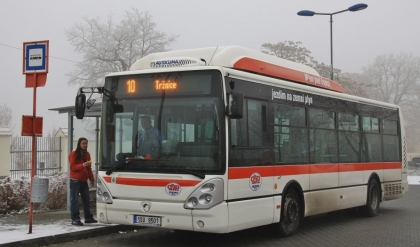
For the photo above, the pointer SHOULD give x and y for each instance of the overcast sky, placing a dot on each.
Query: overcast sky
(385, 27)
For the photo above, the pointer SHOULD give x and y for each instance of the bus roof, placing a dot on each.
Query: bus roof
(240, 58)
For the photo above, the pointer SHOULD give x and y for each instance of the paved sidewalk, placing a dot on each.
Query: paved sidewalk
(50, 227)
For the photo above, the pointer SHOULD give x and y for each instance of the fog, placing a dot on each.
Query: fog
(385, 27)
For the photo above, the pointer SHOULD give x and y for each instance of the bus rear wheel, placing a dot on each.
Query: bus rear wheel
(371, 208)
(290, 214)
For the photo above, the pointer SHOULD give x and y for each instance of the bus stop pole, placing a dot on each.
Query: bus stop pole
(31, 204)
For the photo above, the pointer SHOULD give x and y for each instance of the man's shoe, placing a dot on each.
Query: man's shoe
(87, 221)
(77, 223)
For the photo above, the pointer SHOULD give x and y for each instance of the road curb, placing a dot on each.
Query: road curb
(67, 237)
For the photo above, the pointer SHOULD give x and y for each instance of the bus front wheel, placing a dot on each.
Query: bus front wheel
(290, 213)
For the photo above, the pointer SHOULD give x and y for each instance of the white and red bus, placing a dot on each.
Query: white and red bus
(247, 139)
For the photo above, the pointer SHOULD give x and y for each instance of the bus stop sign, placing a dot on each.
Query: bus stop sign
(35, 62)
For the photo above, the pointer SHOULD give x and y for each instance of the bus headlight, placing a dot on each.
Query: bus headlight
(192, 202)
(102, 193)
(206, 196)
(106, 196)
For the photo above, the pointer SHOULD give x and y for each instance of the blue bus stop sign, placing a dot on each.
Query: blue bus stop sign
(35, 58)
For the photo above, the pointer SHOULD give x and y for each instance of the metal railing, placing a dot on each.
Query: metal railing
(48, 156)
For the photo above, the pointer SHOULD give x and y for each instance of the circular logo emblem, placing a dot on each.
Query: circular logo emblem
(173, 189)
(146, 206)
(255, 181)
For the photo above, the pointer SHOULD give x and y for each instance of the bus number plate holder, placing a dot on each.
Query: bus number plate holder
(147, 220)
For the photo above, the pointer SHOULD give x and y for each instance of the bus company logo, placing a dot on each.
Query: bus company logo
(164, 63)
(173, 189)
(167, 62)
(255, 181)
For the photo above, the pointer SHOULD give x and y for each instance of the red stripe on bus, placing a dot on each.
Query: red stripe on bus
(323, 168)
(284, 170)
(267, 171)
(265, 68)
(151, 182)
(291, 170)
(351, 167)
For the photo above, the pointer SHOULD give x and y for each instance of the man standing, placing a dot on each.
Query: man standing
(149, 140)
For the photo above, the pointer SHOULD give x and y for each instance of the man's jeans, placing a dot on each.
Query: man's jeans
(77, 187)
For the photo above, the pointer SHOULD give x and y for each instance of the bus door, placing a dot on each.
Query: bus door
(250, 184)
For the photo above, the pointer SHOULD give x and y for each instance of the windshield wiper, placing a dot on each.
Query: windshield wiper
(121, 164)
(202, 176)
(199, 175)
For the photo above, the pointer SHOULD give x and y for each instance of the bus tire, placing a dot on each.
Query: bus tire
(371, 208)
(290, 213)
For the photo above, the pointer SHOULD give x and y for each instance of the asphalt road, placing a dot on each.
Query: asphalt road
(397, 225)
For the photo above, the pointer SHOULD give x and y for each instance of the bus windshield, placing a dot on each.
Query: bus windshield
(170, 123)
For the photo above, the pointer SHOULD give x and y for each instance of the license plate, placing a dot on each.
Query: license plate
(147, 220)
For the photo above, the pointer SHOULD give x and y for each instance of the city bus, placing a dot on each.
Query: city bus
(246, 139)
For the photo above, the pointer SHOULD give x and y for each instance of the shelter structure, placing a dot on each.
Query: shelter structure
(87, 127)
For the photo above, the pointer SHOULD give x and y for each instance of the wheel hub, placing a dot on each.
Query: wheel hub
(291, 210)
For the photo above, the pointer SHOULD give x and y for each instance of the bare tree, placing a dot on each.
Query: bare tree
(289, 50)
(396, 78)
(354, 84)
(5, 116)
(109, 47)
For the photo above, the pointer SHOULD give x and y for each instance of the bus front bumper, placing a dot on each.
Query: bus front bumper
(171, 215)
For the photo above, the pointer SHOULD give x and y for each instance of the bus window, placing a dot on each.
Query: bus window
(370, 124)
(348, 140)
(124, 132)
(390, 140)
(348, 122)
(389, 127)
(238, 131)
(391, 148)
(323, 146)
(321, 119)
(255, 123)
(371, 149)
(349, 147)
(291, 144)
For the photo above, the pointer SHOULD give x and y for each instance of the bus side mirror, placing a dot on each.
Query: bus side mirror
(235, 103)
(80, 106)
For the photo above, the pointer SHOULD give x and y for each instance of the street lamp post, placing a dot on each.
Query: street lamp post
(353, 8)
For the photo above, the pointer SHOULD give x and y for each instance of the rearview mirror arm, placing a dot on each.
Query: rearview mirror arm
(92, 90)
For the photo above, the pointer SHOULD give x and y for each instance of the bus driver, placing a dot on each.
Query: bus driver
(149, 141)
